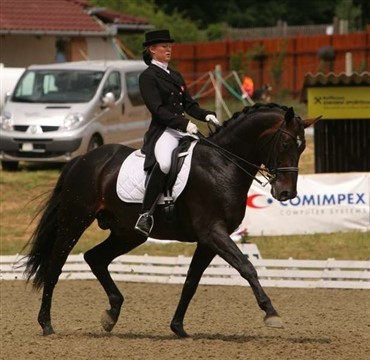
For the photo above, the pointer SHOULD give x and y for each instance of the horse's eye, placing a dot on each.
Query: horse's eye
(285, 145)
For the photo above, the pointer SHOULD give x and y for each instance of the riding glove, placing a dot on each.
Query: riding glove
(191, 128)
(211, 118)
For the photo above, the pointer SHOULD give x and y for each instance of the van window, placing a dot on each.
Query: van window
(113, 85)
(57, 86)
(133, 91)
(25, 88)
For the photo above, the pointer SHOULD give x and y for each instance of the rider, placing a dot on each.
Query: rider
(167, 98)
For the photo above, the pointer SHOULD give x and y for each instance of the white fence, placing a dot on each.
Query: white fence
(291, 273)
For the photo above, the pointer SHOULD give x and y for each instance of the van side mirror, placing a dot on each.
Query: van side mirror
(108, 100)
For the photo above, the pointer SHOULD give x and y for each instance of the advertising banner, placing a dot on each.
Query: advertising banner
(339, 102)
(325, 203)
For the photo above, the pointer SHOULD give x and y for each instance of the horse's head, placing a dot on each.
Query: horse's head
(266, 134)
(285, 144)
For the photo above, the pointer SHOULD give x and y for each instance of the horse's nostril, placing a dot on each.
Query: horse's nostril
(285, 195)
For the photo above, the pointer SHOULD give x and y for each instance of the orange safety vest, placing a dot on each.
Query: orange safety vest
(248, 85)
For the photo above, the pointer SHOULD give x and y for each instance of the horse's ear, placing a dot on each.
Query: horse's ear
(289, 115)
(309, 122)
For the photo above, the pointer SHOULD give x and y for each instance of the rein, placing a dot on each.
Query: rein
(229, 156)
(265, 172)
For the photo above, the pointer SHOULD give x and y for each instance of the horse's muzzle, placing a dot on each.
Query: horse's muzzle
(282, 194)
(286, 195)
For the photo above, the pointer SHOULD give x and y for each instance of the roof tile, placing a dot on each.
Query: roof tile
(332, 79)
(54, 15)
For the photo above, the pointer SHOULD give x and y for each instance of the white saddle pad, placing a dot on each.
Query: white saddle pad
(131, 177)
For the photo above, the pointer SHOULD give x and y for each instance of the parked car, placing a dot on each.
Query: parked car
(60, 111)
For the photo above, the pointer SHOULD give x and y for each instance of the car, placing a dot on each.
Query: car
(59, 111)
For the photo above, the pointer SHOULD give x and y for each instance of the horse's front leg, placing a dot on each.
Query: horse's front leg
(201, 259)
(225, 247)
(99, 259)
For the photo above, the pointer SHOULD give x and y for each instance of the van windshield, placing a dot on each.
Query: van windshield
(57, 86)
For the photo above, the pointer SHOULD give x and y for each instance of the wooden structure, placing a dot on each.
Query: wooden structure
(342, 137)
(294, 56)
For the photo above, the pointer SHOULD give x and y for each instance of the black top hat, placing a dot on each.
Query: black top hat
(157, 36)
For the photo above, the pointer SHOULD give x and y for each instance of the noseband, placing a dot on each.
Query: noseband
(265, 172)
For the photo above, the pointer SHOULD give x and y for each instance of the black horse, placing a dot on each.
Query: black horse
(209, 209)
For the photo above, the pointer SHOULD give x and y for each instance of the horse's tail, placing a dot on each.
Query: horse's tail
(44, 236)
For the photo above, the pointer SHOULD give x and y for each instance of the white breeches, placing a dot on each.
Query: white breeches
(165, 145)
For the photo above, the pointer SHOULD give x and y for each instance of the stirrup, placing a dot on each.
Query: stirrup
(145, 223)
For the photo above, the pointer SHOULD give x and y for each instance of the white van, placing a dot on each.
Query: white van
(59, 111)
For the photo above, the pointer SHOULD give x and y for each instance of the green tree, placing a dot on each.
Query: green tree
(182, 29)
(346, 10)
(250, 13)
(207, 20)
(216, 31)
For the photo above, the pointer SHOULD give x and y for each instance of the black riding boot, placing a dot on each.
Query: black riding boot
(153, 191)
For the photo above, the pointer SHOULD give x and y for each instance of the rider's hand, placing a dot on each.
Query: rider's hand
(211, 118)
(191, 128)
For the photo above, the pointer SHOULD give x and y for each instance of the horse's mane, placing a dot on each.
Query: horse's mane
(249, 110)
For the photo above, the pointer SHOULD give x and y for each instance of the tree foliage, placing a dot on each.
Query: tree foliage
(346, 10)
(251, 13)
(207, 20)
(181, 27)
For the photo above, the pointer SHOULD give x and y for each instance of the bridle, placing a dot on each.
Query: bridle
(268, 174)
(276, 138)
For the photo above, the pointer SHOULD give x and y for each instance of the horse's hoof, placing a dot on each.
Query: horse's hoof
(179, 331)
(47, 330)
(274, 321)
(107, 322)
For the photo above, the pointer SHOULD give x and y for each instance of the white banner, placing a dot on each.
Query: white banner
(325, 203)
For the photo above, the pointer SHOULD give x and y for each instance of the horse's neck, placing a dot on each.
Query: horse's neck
(241, 139)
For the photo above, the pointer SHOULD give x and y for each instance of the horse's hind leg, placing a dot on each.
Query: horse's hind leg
(100, 257)
(201, 259)
(66, 239)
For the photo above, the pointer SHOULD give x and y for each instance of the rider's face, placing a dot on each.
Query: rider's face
(161, 52)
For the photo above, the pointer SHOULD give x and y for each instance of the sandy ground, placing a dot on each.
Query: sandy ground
(224, 323)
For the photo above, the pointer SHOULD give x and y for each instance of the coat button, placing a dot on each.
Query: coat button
(180, 93)
(181, 104)
(171, 92)
(183, 114)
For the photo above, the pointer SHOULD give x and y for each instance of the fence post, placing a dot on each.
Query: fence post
(348, 63)
(218, 93)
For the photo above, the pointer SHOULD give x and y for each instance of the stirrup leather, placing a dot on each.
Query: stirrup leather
(145, 223)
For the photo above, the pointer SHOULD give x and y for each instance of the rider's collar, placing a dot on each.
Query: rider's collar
(163, 66)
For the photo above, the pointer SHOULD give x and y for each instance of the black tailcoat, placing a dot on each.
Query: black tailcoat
(167, 99)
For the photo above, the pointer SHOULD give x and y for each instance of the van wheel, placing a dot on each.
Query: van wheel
(10, 165)
(94, 143)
